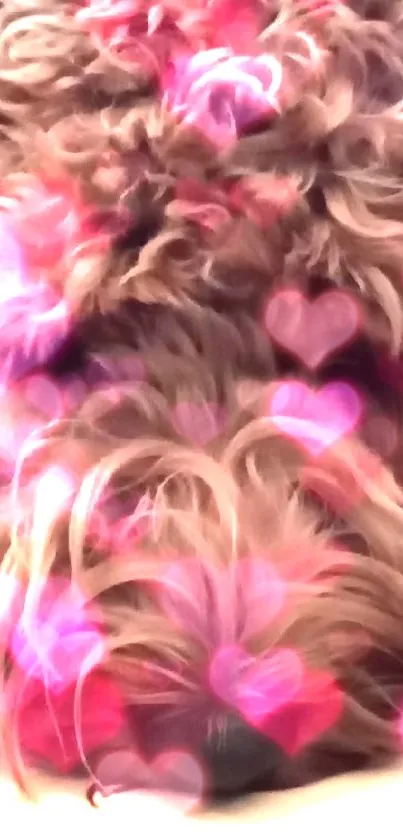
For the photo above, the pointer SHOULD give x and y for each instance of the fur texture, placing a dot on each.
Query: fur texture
(139, 434)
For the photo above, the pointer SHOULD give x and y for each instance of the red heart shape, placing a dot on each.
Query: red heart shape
(317, 708)
(48, 727)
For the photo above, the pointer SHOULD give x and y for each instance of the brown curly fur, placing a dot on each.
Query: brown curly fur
(180, 248)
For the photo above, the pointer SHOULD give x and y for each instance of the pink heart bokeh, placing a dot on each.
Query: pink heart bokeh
(255, 687)
(54, 642)
(173, 774)
(312, 330)
(290, 704)
(316, 419)
(50, 729)
(226, 607)
(316, 709)
(222, 94)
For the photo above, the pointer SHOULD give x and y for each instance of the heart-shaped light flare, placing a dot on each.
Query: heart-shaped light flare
(315, 709)
(315, 419)
(61, 728)
(290, 704)
(312, 330)
(223, 94)
(256, 688)
(175, 775)
(54, 641)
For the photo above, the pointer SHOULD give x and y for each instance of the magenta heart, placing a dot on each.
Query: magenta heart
(315, 419)
(312, 330)
(174, 774)
(289, 704)
(56, 643)
(256, 687)
(199, 423)
(317, 707)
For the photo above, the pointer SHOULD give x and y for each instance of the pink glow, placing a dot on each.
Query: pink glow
(324, 7)
(32, 327)
(125, 366)
(10, 594)
(208, 207)
(221, 93)
(49, 220)
(41, 401)
(183, 596)
(348, 482)
(46, 722)
(109, 10)
(108, 19)
(216, 23)
(12, 270)
(199, 423)
(125, 28)
(33, 322)
(202, 23)
(312, 330)
(120, 534)
(54, 489)
(317, 707)
(315, 419)
(264, 198)
(290, 704)
(43, 395)
(262, 592)
(245, 598)
(313, 568)
(173, 774)
(257, 688)
(155, 17)
(57, 644)
(49, 400)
